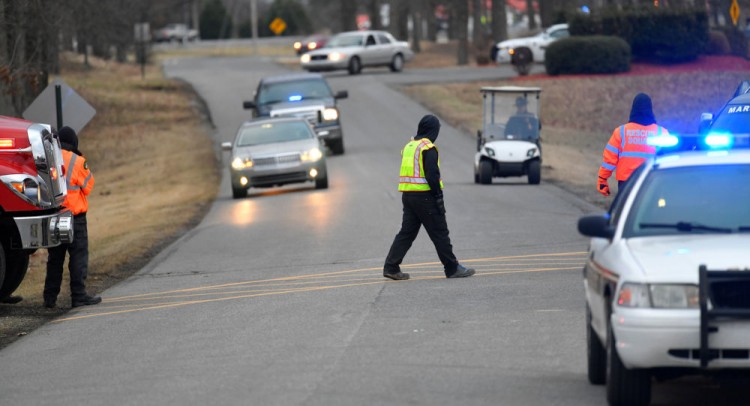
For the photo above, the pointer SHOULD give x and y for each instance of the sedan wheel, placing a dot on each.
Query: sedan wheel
(355, 66)
(397, 65)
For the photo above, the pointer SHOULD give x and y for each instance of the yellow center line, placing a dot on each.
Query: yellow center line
(325, 274)
(287, 291)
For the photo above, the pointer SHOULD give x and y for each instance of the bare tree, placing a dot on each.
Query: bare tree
(459, 21)
(499, 21)
(530, 13)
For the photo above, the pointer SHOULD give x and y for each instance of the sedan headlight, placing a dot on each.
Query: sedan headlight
(336, 56)
(330, 114)
(661, 296)
(304, 58)
(240, 163)
(312, 155)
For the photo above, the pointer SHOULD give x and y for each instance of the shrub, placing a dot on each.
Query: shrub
(666, 35)
(718, 44)
(587, 54)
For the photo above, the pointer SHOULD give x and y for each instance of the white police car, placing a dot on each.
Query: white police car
(667, 281)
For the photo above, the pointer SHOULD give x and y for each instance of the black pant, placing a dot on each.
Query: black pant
(420, 209)
(78, 264)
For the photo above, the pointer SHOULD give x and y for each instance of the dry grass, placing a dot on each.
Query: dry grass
(580, 113)
(155, 172)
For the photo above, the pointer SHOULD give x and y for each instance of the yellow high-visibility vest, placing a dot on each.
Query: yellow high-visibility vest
(412, 177)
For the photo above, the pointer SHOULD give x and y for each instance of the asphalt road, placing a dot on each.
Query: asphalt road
(278, 299)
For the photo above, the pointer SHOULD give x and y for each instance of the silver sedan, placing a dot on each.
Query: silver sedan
(273, 152)
(354, 50)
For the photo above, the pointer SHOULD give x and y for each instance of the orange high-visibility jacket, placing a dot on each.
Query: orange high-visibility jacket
(628, 148)
(79, 181)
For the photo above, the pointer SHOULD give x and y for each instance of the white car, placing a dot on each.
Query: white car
(354, 50)
(537, 44)
(667, 281)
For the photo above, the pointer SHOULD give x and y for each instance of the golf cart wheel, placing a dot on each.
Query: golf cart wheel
(355, 66)
(535, 172)
(476, 177)
(485, 172)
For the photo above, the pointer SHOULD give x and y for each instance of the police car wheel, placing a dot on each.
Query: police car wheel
(627, 387)
(596, 354)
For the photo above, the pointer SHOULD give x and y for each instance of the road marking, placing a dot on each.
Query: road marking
(323, 281)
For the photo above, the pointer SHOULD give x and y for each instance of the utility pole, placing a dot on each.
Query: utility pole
(254, 23)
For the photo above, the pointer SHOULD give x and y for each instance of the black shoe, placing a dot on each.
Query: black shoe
(86, 301)
(398, 276)
(462, 272)
(50, 303)
(11, 299)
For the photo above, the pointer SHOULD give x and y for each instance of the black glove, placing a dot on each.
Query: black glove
(440, 205)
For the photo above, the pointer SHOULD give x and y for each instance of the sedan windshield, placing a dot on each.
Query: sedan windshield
(699, 199)
(346, 40)
(274, 132)
(293, 91)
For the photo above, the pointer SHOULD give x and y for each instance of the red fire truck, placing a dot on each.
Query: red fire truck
(32, 191)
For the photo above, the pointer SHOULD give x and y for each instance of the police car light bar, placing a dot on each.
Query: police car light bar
(718, 140)
(663, 141)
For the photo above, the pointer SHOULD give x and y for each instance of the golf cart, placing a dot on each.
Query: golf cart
(509, 143)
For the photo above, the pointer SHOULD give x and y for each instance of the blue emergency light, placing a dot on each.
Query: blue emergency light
(295, 97)
(718, 140)
(663, 141)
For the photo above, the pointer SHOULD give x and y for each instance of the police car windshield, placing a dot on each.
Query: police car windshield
(734, 119)
(696, 199)
(274, 132)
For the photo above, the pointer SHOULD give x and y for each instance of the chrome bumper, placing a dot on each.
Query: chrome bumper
(45, 231)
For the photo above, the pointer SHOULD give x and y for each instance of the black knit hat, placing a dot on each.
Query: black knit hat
(642, 111)
(68, 136)
(429, 127)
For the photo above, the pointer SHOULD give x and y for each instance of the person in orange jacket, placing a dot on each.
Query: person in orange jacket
(629, 147)
(79, 181)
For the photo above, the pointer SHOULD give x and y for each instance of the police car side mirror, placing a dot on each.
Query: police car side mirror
(705, 123)
(596, 225)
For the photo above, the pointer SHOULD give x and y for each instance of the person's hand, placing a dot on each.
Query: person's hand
(440, 205)
(603, 186)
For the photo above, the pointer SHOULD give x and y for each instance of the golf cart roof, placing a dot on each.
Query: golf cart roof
(510, 89)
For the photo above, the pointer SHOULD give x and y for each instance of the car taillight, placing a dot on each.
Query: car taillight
(7, 143)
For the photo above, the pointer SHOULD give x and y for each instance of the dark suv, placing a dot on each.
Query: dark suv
(731, 125)
(302, 95)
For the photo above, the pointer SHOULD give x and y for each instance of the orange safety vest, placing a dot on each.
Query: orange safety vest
(628, 148)
(79, 180)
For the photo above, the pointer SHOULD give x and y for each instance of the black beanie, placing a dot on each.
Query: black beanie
(429, 127)
(68, 136)
(642, 112)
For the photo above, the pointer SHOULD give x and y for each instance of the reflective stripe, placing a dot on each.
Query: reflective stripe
(608, 166)
(71, 166)
(634, 154)
(417, 155)
(622, 137)
(613, 149)
(407, 179)
(86, 181)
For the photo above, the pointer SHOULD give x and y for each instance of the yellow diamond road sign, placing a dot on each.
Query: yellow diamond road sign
(277, 26)
(734, 12)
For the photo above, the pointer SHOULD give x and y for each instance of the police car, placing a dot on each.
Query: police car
(667, 280)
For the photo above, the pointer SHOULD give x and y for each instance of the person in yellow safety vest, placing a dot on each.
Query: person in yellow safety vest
(629, 147)
(422, 199)
(79, 181)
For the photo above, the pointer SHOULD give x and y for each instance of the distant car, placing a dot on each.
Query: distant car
(355, 50)
(310, 43)
(667, 279)
(536, 45)
(273, 152)
(175, 33)
(305, 95)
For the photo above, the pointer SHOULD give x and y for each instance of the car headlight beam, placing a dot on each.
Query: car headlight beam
(330, 114)
(304, 58)
(240, 163)
(336, 56)
(312, 155)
